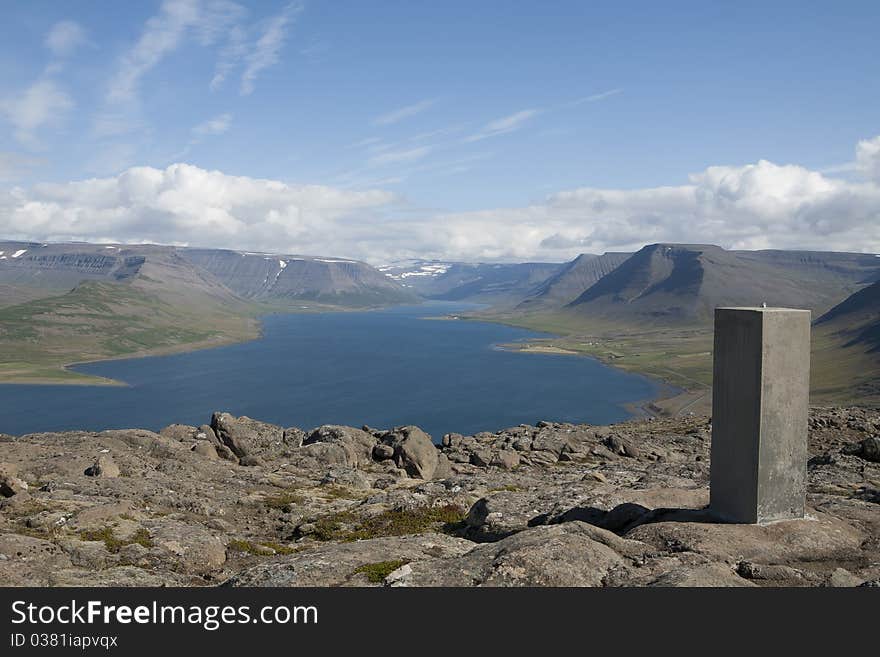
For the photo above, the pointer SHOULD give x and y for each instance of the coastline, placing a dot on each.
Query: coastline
(670, 401)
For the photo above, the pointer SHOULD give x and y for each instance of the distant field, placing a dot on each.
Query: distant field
(683, 358)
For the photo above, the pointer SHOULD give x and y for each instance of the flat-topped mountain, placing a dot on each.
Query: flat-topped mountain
(286, 278)
(676, 283)
(573, 279)
(39, 269)
(62, 303)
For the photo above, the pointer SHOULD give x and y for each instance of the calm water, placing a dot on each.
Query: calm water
(379, 368)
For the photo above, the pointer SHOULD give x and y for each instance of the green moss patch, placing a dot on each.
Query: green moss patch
(344, 526)
(377, 572)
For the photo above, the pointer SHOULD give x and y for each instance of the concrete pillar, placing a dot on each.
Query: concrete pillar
(760, 401)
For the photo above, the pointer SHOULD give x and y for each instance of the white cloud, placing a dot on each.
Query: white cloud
(184, 204)
(403, 113)
(268, 47)
(868, 158)
(42, 104)
(65, 37)
(399, 156)
(230, 55)
(208, 20)
(504, 125)
(761, 205)
(161, 36)
(215, 126)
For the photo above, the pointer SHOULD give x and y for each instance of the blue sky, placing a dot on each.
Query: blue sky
(456, 129)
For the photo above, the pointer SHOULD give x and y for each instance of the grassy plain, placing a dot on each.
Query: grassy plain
(682, 357)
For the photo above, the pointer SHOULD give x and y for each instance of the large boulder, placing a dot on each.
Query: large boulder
(247, 437)
(551, 555)
(356, 445)
(104, 466)
(413, 451)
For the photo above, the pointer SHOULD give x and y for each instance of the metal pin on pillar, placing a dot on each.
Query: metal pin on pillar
(760, 402)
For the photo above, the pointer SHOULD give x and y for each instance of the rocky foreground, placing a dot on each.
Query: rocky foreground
(244, 503)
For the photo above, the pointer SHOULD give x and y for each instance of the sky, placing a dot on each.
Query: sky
(478, 131)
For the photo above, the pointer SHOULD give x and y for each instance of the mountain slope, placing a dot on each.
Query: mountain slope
(286, 278)
(846, 348)
(137, 301)
(572, 280)
(680, 283)
(856, 320)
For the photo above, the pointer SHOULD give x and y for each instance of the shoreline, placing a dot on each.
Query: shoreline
(671, 400)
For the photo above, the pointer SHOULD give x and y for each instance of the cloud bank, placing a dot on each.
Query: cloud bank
(756, 206)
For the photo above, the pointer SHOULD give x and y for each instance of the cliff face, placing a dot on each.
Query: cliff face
(242, 502)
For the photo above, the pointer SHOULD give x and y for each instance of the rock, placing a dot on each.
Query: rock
(190, 548)
(772, 572)
(382, 452)
(205, 449)
(413, 451)
(179, 432)
(104, 466)
(622, 445)
(482, 458)
(711, 574)
(842, 578)
(870, 449)
(205, 432)
(356, 444)
(247, 437)
(399, 577)
(294, 437)
(555, 555)
(335, 564)
(596, 476)
(11, 485)
(506, 459)
(499, 515)
(807, 540)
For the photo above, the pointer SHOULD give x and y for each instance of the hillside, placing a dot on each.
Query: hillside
(674, 284)
(492, 283)
(62, 303)
(144, 304)
(284, 279)
(653, 314)
(572, 280)
(846, 346)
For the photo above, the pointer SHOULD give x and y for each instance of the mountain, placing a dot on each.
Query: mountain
(493, 283)
(102, 302)
(683, 283)
(288, 278)
(856, 320)
(573, 279)
(62, 303)
(30, 270)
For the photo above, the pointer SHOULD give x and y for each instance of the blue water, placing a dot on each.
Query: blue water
(381, 368)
